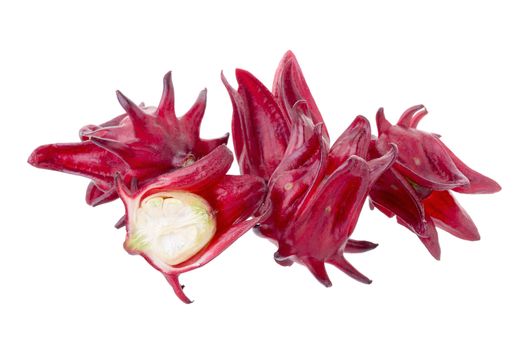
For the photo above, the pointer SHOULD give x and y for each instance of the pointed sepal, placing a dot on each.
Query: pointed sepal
(355, 246)
(342, 264)
(260, 130)
(448, 215)
(81, 158)
(318, 269)
(290, 87)
(166, 108)
(355, 140)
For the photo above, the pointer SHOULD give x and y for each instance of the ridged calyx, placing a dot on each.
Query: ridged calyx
(417, 189)
(140, 144)
(315, 194)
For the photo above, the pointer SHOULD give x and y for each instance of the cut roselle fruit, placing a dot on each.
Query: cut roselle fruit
(140, 144)
(182, 219)
(416, 189)
(261, 121)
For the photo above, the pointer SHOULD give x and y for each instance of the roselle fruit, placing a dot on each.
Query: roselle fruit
(140, 144)
(315, 194)
(184, 218)
(417, 188)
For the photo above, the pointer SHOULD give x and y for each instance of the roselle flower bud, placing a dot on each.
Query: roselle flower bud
(182, 219)
(140, 144)
(417, 188)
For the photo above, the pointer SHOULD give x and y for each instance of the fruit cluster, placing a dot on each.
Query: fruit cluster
(295, 188)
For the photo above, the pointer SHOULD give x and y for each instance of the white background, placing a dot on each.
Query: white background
(66, 282)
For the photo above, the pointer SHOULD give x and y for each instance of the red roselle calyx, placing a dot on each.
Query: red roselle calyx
(140, 144)
(417, 187)
(315, 194)
(183, 219)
